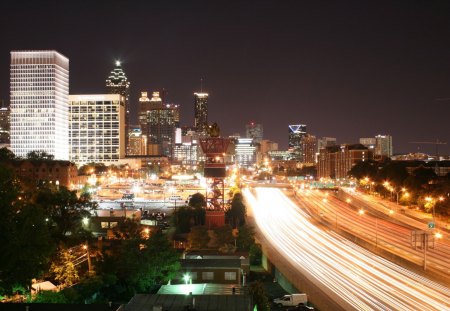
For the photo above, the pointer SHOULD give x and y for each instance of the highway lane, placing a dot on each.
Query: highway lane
(355, 278)
(392, 237)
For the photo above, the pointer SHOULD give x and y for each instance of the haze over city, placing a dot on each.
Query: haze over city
(347, 70)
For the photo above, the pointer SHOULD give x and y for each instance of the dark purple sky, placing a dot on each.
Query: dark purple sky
(347, 69)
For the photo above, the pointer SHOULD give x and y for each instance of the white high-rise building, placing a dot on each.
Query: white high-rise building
(39, 103)
(97, 128)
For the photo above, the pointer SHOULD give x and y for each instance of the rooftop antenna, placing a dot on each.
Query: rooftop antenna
(201, 85)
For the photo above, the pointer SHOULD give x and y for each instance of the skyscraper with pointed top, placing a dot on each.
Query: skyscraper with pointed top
(117, 83)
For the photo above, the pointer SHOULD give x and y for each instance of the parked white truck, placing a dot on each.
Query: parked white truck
(291, 300)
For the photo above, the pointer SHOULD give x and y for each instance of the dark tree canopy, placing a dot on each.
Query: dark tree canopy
(39, 155)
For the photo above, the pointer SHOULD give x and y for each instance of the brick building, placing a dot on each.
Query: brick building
(336, 161)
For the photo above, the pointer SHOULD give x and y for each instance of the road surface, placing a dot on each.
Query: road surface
(353, 277)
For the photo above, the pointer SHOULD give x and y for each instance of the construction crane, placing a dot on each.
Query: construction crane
(436, 143)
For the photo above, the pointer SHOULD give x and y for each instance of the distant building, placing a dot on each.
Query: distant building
(56, 172)
(97, 128)
(369, 142)
(137, 143)
(309, 149)
(5, 125)
(39, 105)
(279, 155)
(255, 131)
(268, 145)
(245, 152)
(336, 161)
(325, 142)
(383, 147)
(158, 122)
(201, 112)
(117, 83)
(187, 150)
(296, 134)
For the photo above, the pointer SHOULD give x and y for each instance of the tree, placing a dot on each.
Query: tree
(39, 155)
(255, 254)
(65, 211)
(259, 296)
(46, 296)
(127, 229)
(63, 268)
(197, 200)
(236, 213)
(140, 265)
(246, 237)
(198, 237)
(26, 247)
(6, 154)
(224, 235)
(364, 169)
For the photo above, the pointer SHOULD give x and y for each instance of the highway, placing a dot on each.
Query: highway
(353, 277)
(389, 231)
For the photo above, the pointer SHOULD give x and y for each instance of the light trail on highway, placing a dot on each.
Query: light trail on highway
(353, 277)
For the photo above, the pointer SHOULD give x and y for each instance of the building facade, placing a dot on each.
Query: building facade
(336, 161)
(158, 123)
(39, 103)
(383, 146)
(5, 125)
(245, 152)
(296, 134)
(58, 173)
(268, 145)
(201, 112)
(309, 149)
(117, 83)
(97, 128)
(255, 131)
(137, 143)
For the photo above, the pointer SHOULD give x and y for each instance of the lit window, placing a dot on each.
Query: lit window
(230, 276)
(207, 276)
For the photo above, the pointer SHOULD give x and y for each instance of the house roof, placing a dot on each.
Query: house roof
(145, 302)
(210, 263)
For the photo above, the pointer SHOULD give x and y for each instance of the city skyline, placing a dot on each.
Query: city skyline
(369, 70)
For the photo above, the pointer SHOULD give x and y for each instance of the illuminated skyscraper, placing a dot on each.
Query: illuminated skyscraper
(97, 132)
(201, 112)
(39, 103)
(158, 122)
(296, 134)
(117, 83)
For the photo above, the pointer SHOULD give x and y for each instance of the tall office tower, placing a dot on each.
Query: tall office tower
(383, 146)
(158, 122)
(245, 152)
(255, 131)
(201, 112)
(4, 125)
(309, 149)
(39, 105)
(97, 128)
(296, 133)
(117, 83)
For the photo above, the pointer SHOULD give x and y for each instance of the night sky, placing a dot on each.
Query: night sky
(346, 69)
